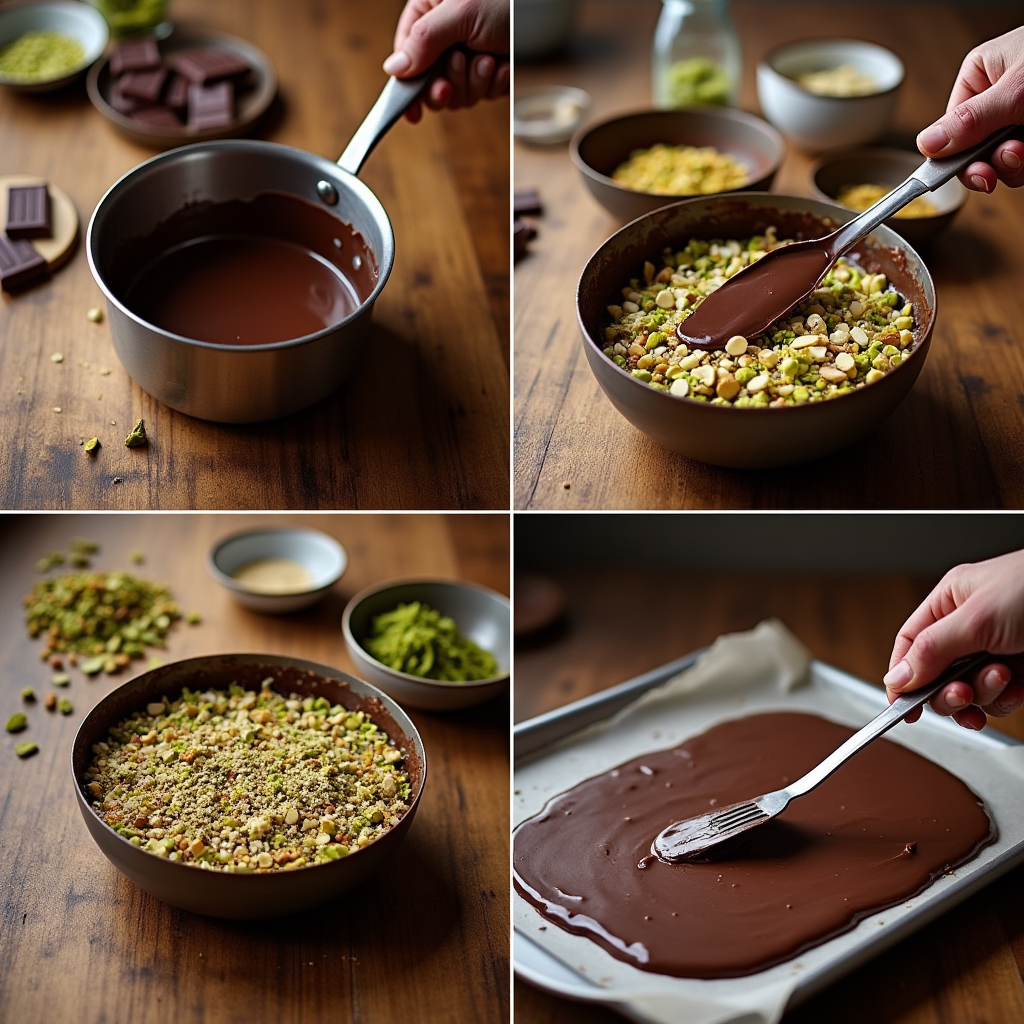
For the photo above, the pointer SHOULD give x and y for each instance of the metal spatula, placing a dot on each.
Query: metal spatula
(685, 840)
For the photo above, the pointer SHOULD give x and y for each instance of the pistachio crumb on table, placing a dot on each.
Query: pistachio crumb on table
(243, 781)
(851, 331)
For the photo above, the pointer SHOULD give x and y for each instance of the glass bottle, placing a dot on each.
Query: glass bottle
(696, 55)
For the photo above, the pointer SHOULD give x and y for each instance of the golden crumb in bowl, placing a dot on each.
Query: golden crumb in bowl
(860, 197)
(841, 81)
(680, 171)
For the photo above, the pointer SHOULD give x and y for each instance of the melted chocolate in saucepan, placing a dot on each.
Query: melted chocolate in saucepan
(870, 837)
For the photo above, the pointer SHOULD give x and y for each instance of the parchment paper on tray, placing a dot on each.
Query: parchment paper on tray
(765, 669)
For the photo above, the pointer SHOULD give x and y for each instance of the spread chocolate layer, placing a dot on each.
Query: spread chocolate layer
(876, 833)
(249, 272)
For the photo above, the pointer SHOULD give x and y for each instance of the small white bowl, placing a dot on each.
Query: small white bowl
(322, 556)
(77, 20)
(548, 114)
(480, 614)
(816, 122)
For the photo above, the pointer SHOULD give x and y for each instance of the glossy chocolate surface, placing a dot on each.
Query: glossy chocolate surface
(872, 836)
(246, 272)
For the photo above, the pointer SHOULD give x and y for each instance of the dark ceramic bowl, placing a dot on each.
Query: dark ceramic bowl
(597, 150)
(877, 166)
(218, 893)
(480, 614)
(747, 438)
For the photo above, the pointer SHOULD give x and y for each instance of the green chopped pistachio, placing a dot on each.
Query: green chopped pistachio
(137, 438)
(26, 749)
(419, 640)
(137, 557)
(84, 546)
(64, 706)
(93, 666)
(248, 781)
(193, 618)
(17, 722)
(60, 679)
(92, 445)
(28, 695)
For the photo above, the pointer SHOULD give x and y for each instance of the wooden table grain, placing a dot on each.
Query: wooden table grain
(958, 439)
(423, 421)
(426, 940)
(966, 966)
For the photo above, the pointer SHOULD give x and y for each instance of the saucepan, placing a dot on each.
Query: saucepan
(222, 894)
(240, 383)
(749, 437)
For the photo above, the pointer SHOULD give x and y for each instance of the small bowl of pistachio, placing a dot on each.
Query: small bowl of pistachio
(431, 643)
(46, 46)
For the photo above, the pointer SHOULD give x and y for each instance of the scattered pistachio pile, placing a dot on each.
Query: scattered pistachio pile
(110, 616)
(419, 640)
(680, 171)
(246, 781)
(852, 330)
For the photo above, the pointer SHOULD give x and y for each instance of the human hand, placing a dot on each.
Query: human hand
(427, 28)
(988, 95)
(977, 607)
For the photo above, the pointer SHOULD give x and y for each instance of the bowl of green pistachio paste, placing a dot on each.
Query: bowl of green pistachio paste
(46, 46)
(434, 644)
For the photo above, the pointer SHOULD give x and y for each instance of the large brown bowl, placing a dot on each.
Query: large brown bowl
(218, 893)
(751, 437)
(598, 149)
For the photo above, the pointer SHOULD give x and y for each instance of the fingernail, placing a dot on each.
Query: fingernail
(397, 63)
(993, 680)
(955, 701)
(898, 676)
(484, 67)
(1011, 160)
(458, 61)
(979, 183)
(933, 139)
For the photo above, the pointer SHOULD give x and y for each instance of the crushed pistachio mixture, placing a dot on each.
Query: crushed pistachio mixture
(680, 171)
(243, 781)
(851, 331)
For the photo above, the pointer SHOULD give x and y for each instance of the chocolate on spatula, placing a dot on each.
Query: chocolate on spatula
(20, 265)
(28, 212)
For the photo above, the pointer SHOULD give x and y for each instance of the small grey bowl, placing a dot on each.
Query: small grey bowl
(77, 20)
(323, 557)
(216, 893)
(480, 614)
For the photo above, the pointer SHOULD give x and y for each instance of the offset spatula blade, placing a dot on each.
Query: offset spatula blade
(683, 840)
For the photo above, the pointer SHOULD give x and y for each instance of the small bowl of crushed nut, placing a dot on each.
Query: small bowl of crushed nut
(435, 644)
(247, 785)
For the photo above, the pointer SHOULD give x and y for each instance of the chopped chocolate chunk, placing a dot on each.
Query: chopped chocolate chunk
(20, 265)
(134, 55)
(211, 106)
(121, 103)
(156, 117)
(202, 66)
(144, 85)
(28, 212)
(176, 93)
(522, 234)
(526, 200)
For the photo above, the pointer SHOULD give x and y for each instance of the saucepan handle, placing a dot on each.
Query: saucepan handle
(395, 99)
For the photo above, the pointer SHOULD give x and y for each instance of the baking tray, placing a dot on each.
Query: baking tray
(539, 739)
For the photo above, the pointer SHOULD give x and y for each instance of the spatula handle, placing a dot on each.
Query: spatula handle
(934, 173)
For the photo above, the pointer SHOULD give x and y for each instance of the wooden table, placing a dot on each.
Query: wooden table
(958, 439)
(966, 966)
(425, 941)
(423, 421)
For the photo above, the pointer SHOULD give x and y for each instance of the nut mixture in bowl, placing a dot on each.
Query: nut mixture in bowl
(851, 331)
(246, 781)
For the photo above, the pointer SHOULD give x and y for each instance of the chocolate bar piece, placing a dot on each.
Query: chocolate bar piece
(202, 66)
(156, 117)
(176, 93)
(143, 85)
(121, 103)
(211, 106)
(28, 212)
(20, 265)
(134, 55)
(526, 200)
(521, 234)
